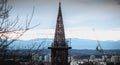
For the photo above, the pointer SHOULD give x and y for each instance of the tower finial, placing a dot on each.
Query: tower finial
(59, 2)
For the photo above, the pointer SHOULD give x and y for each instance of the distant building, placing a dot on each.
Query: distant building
(104, 58)
(47, 58)
(115, 59)
(92, 57)
(35, 57)
(73, 63)
(40, 58)
(101, 63)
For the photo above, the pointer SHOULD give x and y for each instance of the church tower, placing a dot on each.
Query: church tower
(59, 47)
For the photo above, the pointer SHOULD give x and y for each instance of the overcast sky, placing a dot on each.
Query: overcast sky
(79, 16)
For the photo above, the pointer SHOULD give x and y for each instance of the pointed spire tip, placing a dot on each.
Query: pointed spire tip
(59, 3)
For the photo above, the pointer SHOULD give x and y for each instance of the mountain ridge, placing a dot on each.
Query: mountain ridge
(75, 43)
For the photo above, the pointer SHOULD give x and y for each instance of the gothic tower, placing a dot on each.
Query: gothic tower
(59, 48)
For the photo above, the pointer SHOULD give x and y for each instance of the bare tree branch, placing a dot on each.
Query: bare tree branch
(10, 31)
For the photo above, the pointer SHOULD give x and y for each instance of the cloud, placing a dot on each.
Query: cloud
(87, 33)
(81, 33)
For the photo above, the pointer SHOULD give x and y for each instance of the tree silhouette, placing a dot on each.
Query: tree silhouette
(10, 31)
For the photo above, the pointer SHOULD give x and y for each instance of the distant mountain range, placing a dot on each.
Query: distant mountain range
(75, 43)
(91, 44)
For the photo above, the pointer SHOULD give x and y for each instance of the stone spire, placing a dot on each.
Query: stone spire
(59, 39)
